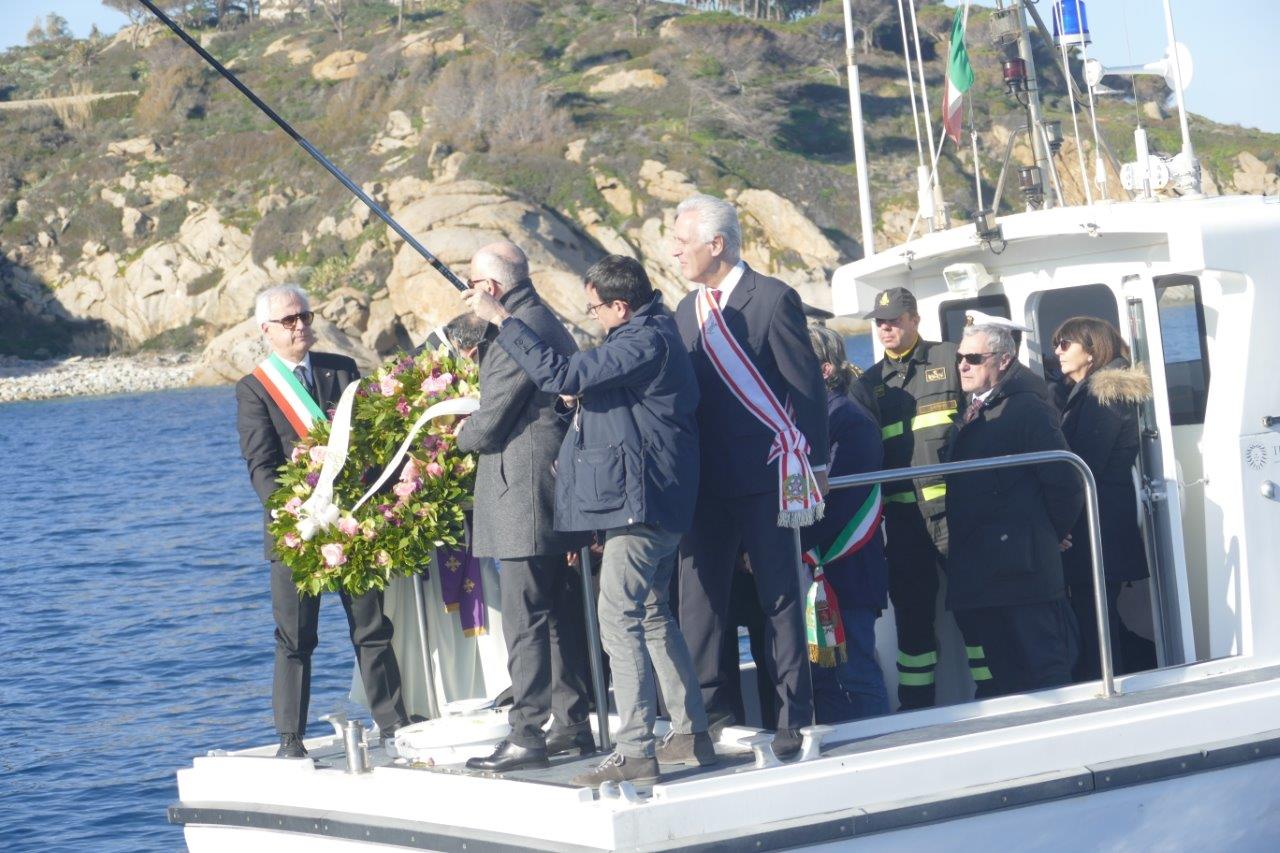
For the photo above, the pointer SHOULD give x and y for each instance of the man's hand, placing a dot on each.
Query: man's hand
(824, 485)
(568, 400)
(1065, 543)
(485, 306)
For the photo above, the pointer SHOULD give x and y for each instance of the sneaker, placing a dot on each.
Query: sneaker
(695, 749)
(291, 747)
(641, 772)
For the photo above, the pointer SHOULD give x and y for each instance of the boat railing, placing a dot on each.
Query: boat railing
(1015, 460)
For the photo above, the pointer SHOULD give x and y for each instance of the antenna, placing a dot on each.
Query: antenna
(859, 139)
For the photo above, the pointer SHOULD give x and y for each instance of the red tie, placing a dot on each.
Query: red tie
(715, 294)
(975, 406)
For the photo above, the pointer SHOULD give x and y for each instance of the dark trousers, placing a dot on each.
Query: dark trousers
(297, 617)
(721, 527)
(1019, 648)
(542, 619)
(915, 566)
(1129, 652)
(744, 611)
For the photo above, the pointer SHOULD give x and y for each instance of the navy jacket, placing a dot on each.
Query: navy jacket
(631, 456)
(765, 318)
(862, 578)
(1006, 523)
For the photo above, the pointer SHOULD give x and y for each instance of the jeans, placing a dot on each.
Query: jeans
(641, 637)
(855, 688)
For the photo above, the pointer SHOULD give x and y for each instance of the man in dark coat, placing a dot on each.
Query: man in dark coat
(517, 433)
(628, 467)
(738, 499)
(271, 408)
(1004, 572)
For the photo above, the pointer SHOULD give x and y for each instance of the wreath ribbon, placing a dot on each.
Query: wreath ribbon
(319, 511)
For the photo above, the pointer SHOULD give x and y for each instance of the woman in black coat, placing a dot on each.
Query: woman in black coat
(1100, 422)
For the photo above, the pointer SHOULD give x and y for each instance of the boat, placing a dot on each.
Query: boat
(1184, 756)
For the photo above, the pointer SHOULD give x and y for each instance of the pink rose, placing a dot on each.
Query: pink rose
(368, 531)
(434, 469)
(298, 452)
(388, 511)
(402, 406)
(403, 489)
(348, 526)
(292, 540)
(435, 384)
(293, 505)
(410, 472)
(317, 453)
(334, 554)
(382, 558)
(390, 386)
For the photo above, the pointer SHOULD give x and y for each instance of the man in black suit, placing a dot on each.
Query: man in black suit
(738, 500)
(269, 427)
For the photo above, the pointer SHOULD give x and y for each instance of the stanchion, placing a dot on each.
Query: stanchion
(594, 650)
(420, 602)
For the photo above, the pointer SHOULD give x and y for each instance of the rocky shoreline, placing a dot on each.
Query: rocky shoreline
(78, 376)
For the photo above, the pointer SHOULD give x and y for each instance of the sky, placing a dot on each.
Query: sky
(1233, 44)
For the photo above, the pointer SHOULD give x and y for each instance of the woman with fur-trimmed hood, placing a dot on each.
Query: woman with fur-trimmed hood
(1100, 422)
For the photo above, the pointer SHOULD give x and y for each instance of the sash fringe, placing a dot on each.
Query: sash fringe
(801, 517)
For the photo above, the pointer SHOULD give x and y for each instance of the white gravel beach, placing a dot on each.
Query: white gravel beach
(78, 376)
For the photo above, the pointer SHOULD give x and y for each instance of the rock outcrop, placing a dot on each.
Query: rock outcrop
(339, 65)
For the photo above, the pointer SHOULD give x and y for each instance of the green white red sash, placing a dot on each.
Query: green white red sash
(799, 500)
(823, 626)
(289, 394)
(863, 525)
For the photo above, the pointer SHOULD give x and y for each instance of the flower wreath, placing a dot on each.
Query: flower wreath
(397, 530)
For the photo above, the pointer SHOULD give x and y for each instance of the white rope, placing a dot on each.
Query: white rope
(1075, 122)
(911, 86)
(924, 94)
(1099, 166)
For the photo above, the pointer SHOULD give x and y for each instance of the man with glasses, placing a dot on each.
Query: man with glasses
(517, 433)
(918, 394)
(276, 406)
(1004, 570)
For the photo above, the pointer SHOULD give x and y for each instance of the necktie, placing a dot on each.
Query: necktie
(975, 406)
(301, 373)
(716, 294)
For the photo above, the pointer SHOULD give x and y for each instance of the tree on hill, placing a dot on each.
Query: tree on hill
(53, 29)
(137, 15)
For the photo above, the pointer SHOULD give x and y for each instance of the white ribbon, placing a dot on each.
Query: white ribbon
(319, 511)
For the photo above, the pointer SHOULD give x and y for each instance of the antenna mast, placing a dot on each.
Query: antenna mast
(1035, 131)
(1187, 172)
(859, 139)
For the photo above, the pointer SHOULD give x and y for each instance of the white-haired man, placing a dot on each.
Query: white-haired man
(276, 406)
(1004, 570)
(762, 419)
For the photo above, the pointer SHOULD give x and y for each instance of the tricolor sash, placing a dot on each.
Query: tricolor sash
(824, 628)
(293, 399)
(799, 500)
(863, 525)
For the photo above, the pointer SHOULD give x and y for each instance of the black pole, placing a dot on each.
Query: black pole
(439, 265)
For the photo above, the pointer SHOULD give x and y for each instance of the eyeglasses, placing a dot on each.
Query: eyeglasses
(476, 282)
(1062, 345)
(973, 358)
(291, 321)
(591, 309)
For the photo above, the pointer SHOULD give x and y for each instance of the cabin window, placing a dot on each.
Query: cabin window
(1182, 330)
(951, 317)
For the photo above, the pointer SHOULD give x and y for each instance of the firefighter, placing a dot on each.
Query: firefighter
(918, 393)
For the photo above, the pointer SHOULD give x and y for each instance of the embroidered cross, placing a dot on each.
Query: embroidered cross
(468, 585)
(453, 564)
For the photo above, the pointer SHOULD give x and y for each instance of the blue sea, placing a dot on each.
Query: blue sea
(137, 627)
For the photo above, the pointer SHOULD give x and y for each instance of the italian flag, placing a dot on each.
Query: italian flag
(959, 78)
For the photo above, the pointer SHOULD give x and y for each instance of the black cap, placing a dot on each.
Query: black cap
(892, 304)
(813, 312)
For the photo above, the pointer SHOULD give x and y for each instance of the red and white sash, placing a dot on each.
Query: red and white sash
(799, 500)
(290, 396)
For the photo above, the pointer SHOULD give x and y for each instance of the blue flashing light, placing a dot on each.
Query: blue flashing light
(1070, 23)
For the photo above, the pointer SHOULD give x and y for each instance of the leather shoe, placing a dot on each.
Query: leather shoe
(510, 756)
(786, 744)
(560, 741)
(291, 747)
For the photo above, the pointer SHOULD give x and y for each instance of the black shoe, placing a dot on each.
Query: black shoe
(510, 756)
(786, 744)
(697, 749)
(641, 772)
(291, 747)
(560, 741)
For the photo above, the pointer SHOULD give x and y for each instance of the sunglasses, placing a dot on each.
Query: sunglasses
(973, 358)
(1062, 345)
(292, 320)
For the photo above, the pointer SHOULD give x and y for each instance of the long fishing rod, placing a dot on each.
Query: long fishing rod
(439, 265)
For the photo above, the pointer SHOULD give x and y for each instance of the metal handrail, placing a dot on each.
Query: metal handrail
(1013, 461)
